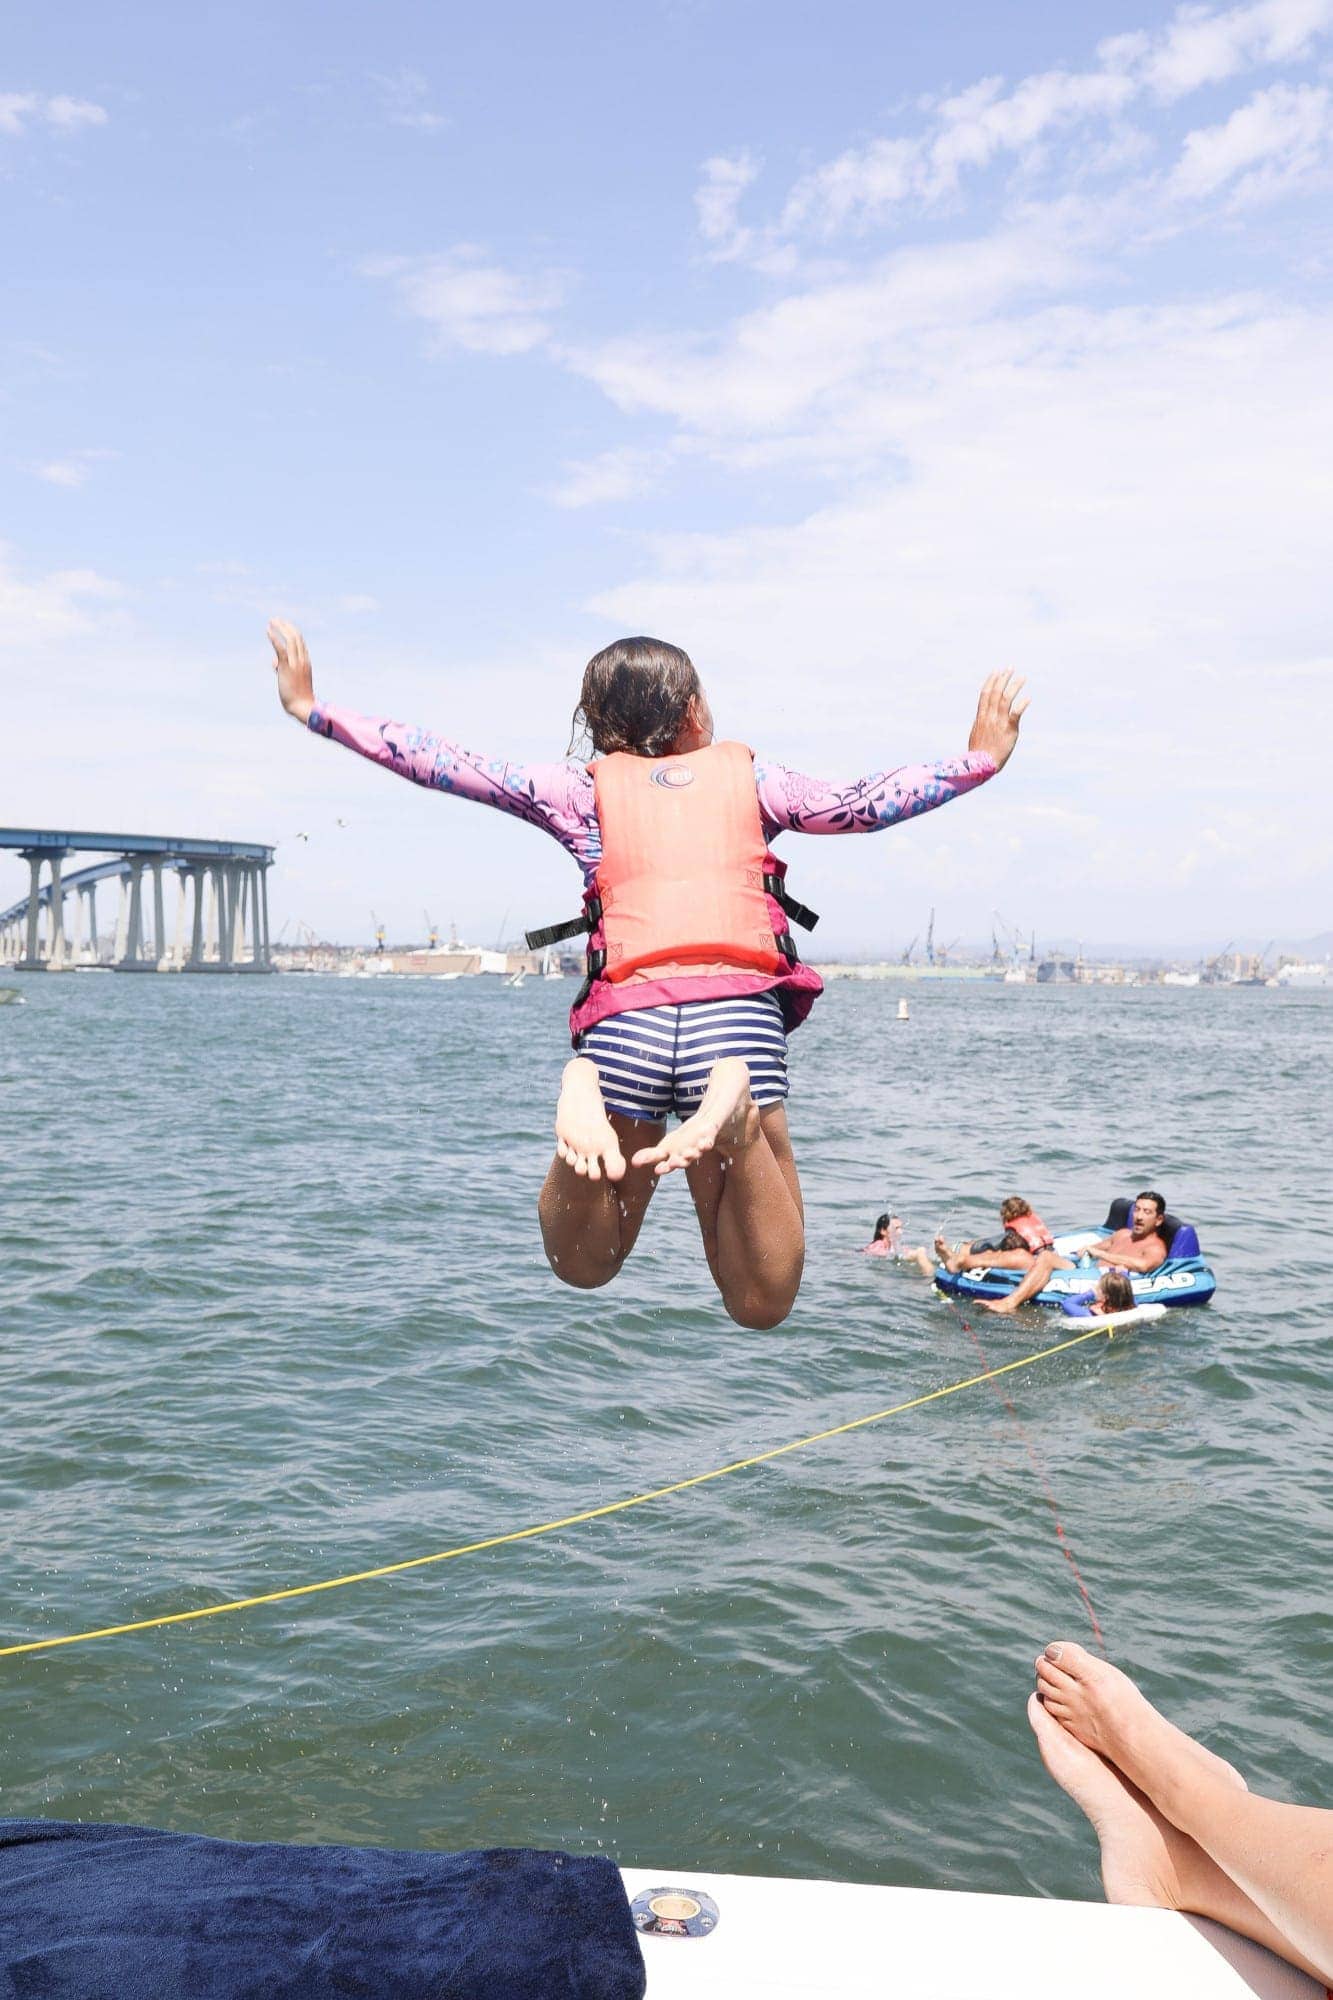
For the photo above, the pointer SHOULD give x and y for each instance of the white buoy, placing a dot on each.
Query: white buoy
(903, 1014)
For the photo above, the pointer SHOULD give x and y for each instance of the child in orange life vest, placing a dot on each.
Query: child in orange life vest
(693, 980)
(1025, 1238)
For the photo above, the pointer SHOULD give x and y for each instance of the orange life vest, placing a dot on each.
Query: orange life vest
(1033, 1231)
(682, 879)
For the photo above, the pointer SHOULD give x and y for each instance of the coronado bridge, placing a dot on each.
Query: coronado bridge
(219, 922)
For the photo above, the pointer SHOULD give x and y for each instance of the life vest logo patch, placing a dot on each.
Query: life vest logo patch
(673, 777)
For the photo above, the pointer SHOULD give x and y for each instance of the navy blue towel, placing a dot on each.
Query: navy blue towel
(129, 1913)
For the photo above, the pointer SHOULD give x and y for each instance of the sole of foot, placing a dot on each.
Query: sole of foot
(727, 1121)
(1138, 1863)
(585, 1138)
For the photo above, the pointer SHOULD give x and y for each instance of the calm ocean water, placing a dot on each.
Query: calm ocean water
(275, 1309)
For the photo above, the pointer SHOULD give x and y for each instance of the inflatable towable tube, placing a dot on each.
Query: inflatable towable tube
(1183, 1280)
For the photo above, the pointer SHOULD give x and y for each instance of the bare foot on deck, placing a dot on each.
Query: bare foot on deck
(1102, 1707)
(1145, 1860)
(1137, 1862)
(585, 1138)
(1148, 1860)
(727, 1119)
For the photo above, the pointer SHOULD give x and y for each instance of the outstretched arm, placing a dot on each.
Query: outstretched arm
(811, 805)
(556, 797)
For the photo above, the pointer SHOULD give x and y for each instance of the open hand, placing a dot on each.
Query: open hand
(999, 712)
(296, 686)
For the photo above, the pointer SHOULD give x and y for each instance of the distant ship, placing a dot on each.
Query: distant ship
(1314, 972)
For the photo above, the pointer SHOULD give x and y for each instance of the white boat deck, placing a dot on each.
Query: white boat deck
(842, 1941)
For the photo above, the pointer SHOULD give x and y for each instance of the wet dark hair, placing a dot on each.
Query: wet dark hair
(881, 1225)
(1148, 1195)
(1116, 1292)
(635, 696)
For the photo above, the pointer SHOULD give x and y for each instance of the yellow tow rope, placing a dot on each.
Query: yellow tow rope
(552, 1527)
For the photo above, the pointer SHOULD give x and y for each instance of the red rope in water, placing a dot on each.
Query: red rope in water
(1066, 1547)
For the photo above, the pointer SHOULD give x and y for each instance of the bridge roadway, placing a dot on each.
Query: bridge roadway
(221, 902)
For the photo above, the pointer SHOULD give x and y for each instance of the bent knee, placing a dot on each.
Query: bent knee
(582, 1274)
(759, 1315)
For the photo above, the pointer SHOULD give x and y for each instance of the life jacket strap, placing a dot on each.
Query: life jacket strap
(572, 927)
(591, 915)
(797, 912)
(556, 933)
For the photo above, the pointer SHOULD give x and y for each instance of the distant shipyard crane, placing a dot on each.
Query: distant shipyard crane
(222, 903)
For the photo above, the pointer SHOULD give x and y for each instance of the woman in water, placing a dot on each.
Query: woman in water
(693, 980)
(887, 1241)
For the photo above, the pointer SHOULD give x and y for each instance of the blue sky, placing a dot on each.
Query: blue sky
(859, 350)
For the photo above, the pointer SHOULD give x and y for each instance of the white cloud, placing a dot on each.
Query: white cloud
(717, 202)
(612, 475)
(404, 97)
(970, 131)
(1262, 149)
(1050, 490)
(358, 604)
(472, 303)
(66, 114)
(799, 361)
(19, 109)
(1205, 47)
(988, 123)
(74, 470)
(55, 606)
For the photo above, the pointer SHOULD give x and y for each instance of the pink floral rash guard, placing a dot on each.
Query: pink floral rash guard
(559, 797)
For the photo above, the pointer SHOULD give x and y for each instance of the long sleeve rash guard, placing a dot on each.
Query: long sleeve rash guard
(559, 797)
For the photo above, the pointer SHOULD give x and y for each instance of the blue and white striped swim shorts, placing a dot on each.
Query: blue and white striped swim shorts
(655, 1060)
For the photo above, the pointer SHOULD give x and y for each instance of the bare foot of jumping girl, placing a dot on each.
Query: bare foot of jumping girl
(585, 1138)
(727, 1118)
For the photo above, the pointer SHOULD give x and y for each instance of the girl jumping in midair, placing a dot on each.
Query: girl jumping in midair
(693, 979)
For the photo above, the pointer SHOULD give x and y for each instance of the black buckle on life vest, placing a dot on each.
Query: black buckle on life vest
(572, 927)
(796, 912)
(596, 967)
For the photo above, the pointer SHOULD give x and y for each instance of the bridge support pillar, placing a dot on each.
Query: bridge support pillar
(33, 958)
(159, 918)
(263, 912)
(196, 881)
(178, 942)
(130, 956)
(55, 949)
(238, 873)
